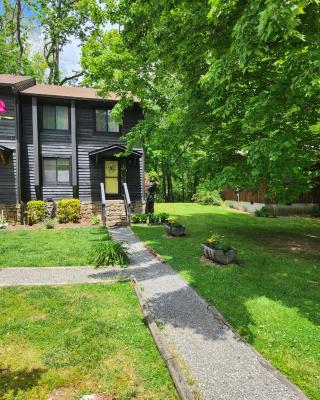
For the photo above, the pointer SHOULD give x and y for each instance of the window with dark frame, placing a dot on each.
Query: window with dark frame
(56, 170)
(55, 117)
(105, 123)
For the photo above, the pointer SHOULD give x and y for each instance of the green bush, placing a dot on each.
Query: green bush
(156, 218)
(108, 252)
(68, 210)
(206, 193)
(139, 218)
(36, 211)
(49, 223)
(262, 212)
(207, 197)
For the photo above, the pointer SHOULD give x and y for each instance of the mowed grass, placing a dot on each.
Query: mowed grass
(47, 248)
(64, 342)
(272, 297)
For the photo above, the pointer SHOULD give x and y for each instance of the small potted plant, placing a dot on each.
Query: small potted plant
(218, 251)
(173, 228)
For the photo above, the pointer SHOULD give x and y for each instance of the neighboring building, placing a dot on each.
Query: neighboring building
(61, 142)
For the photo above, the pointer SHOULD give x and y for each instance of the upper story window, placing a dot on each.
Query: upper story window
(105, 123)
(55, 117)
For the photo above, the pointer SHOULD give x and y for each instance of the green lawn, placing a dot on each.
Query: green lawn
(273, 297)
(47, 248)
(75, 340)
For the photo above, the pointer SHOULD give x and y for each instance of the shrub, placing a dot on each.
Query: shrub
(161, 217)
(49, 223)
(262, 212)
(36, 211)
(95, 220)
(108, 252)
(68, 210)
(151, 218)
(206, 194)
(139, 218)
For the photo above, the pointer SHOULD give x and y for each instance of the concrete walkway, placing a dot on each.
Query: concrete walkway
(222, 366)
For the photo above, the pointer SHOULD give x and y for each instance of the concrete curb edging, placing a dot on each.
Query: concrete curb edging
(183, 389)
(220, 318)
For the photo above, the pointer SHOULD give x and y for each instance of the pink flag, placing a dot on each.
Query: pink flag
(3, 108)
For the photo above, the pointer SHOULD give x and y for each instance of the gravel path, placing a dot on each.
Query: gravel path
(221, 364)
(56, 275)
(224, 367)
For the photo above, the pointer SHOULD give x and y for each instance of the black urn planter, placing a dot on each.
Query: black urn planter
(219, 256)
(175, 230)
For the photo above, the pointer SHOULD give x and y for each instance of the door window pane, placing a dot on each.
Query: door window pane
(112, 185)
(63, 170)
(113, 126)
(62, 120)
(49, 170)
(49, 117)
(111, 174)
(101, 121)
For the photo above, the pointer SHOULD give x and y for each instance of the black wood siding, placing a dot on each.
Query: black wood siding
(8, 139)
(8, 176)
(91, 169)
(58, 143)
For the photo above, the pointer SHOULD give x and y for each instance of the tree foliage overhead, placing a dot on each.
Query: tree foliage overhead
(16, 56)
(54, 24)
(230, 88)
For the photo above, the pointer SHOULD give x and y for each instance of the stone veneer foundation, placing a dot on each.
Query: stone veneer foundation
(11, 212)
(115, 210)
(88, 209)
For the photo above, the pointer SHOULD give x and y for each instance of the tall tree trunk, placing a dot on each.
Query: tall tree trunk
(19, 39)
(170, 192)
(164, 186)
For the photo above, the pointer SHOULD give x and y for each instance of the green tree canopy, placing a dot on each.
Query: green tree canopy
(233, 83)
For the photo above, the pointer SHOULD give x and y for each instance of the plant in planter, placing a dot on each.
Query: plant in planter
(218, 251)
(173, 228)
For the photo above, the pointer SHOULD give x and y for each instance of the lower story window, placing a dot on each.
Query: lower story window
(56, 170)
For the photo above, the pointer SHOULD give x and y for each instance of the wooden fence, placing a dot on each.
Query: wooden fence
(260, 196)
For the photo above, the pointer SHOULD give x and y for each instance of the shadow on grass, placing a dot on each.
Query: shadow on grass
(16, 381)
(269, 266)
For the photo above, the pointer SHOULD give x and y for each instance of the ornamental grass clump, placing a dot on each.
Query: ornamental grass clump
(108, 252)
(49, 223)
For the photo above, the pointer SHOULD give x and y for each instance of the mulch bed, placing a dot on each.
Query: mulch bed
(19, 227)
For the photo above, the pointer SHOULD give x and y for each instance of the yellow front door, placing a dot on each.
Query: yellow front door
(111, 176)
